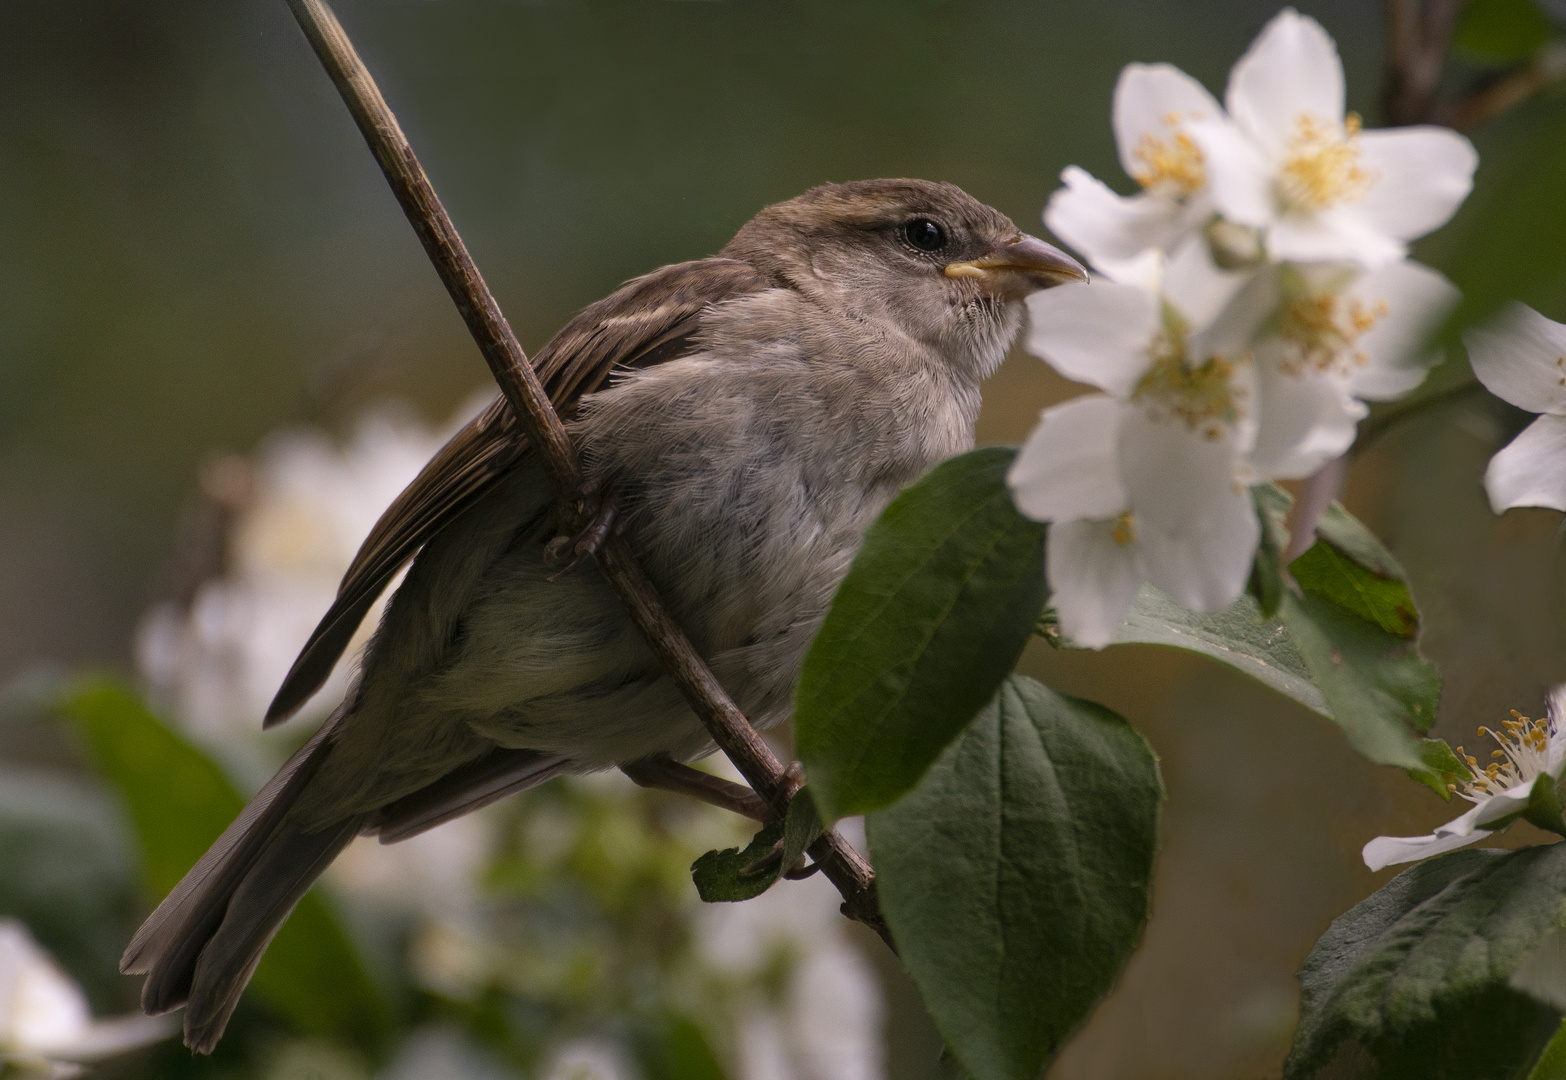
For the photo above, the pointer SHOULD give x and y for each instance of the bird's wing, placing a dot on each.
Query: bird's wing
(648, 321)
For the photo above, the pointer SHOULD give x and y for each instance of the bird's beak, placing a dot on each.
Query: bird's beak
(1025, 265)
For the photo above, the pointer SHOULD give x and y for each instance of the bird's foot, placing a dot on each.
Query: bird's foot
(585, 544)
(714, 790)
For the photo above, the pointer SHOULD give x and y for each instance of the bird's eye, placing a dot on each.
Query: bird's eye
(924, 234)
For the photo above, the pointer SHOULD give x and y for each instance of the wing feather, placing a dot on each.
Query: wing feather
(649, 320)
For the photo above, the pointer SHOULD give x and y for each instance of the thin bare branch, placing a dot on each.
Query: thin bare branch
(1418, 35)
(509, 364)
(1510, 90)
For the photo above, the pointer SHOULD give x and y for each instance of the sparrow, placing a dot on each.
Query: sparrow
(747, 417)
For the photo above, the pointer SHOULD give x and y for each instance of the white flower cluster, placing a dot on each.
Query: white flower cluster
(1252, 297)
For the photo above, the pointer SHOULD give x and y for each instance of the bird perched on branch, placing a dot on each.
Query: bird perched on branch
(747, 416)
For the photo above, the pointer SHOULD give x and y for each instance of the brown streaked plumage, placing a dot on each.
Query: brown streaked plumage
(752, 413)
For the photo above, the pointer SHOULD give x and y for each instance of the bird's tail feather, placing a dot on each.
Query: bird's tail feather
(496, 774)
(287, 865)
(202, 944)
(169, 945)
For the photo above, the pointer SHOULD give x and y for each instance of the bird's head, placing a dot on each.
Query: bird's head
(928, 258)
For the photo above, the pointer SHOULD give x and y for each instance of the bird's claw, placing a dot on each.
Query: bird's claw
(794, 778)
(585, 544)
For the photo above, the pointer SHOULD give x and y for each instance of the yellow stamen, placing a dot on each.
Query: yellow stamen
(1322, 168)
(1125, 530)
(1320, 332)
(1203, 396)
(1173, 165)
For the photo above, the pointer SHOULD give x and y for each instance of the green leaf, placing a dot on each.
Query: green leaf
(1349, 535)
(1272, 509)
(1440, 767)
(1238, 636)
(1552, 1063)
(1502, 30)
(801, 828)
(1355, 625)
(1372, 683)
(731, 874)
(179, 802)
(676, 1049)
(932, 616)
(1343, 646)
(69, 874)
(1416, 975)
(1350, 569)
(1015, 876)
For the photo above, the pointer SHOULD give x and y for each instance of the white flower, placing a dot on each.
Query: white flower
(1147, 481)
(1522, 359)
(46, 1027)
(1337, 335)
(1289, 161)
(1155, 106)
(1529, 750)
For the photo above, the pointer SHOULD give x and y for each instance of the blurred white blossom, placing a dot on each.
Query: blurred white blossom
(825, 1022)
(46, 1025)
(1529, 752)
(588, 1060)
(1521, 358)
(444, 1053)
(310, 503)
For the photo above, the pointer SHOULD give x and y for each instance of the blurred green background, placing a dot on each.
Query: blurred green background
(196, 249)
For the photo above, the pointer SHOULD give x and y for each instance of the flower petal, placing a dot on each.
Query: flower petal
(1095, 333)
(1178, 479)
(1195, 524)
(1420, 175)
(1153, 104)
(1108, 228)
(1239, 177)
(1488, 814)
(1329, 235)
(1307, 418)
(1235, 326)
(1531, 470)
(1207, 571)
(1411, 301)
(1521, 359)
(1386, 851)
(1067, 468)
(1197, 286)
(1093, 579)
(1291, 69)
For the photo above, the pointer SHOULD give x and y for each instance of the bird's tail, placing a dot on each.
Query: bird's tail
(202, 944)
